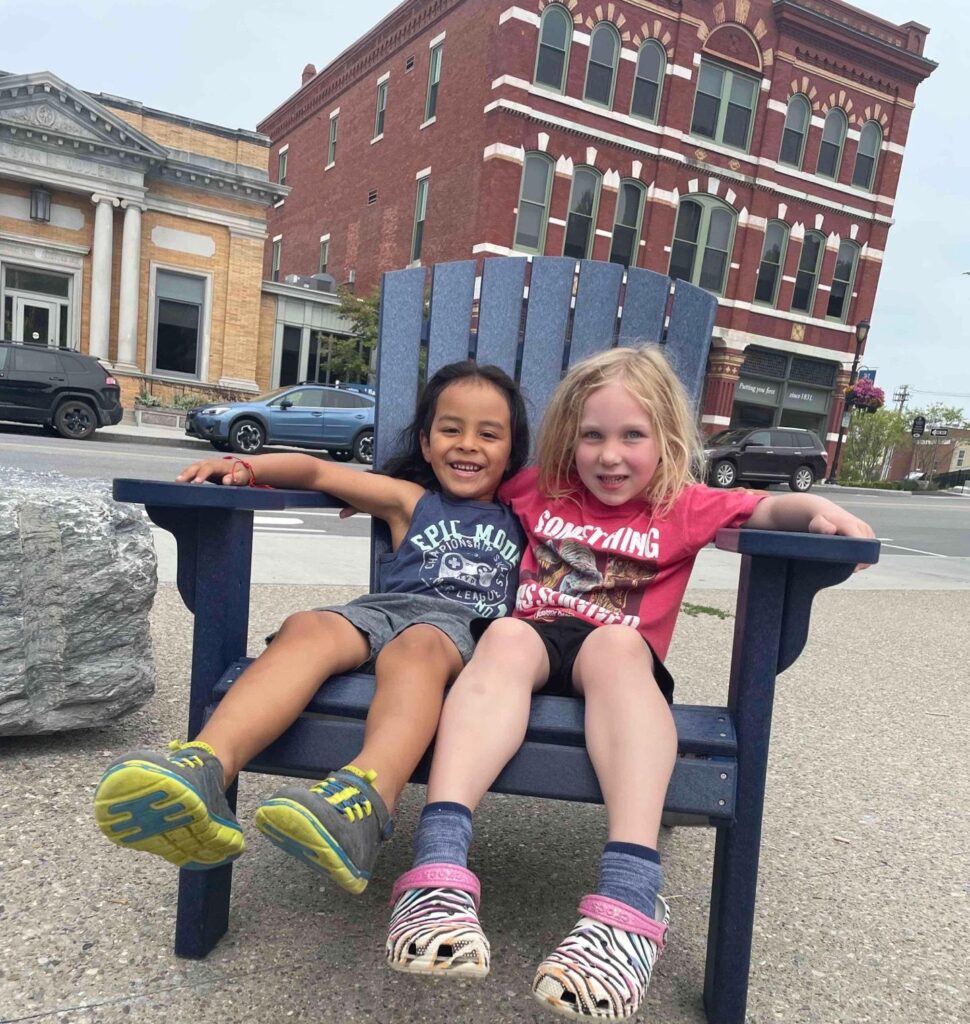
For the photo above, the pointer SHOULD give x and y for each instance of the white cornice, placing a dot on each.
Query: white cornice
(243, 226)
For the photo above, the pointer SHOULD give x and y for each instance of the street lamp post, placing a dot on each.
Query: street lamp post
(861, 333)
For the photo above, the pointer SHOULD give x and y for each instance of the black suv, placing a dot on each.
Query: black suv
(63, 391)
(759, 455)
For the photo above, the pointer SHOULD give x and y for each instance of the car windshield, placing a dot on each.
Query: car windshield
(726, 437)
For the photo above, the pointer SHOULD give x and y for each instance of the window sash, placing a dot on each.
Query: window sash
(552, 55)
(532, 220)
(724, 106)
(841, 292)
(281, 168)
(581, 220)
(177, 331)
(863, 174)
(277, 254)
(626, 228)
(381, 107)
(806, 279)
(324, 255)
(434, 77)
(600, 72)
(420, 211)
(332, 144)
(797, 119)
(701, 249)
(830, 151)
(771, 265)
(646, 85)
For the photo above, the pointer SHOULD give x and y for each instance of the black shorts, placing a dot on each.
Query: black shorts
(562, 638)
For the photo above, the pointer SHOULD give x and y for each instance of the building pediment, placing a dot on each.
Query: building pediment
(43, 110)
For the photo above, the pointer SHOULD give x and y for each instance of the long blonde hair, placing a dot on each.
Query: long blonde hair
(647, 375)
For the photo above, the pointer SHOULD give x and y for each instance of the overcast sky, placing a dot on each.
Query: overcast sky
(231, 62)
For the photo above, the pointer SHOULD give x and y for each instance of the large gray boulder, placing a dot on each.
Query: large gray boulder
(77, 580)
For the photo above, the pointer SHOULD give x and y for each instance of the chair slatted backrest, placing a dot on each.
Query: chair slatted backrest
(533, 318)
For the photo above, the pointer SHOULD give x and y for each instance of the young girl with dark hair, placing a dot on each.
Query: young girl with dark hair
(455, 555)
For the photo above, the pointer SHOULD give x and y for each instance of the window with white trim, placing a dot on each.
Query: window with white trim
(798, 116)
(381, 108)
(179, 319)
(434, 77)
(806, 280)
(324, 254)
(533, 216)
(274, 272)
(845, 264)
(724, 105)
(626, 227)
(772, 262)
(420, 213)
(581, 219)
(703, 236)
(604, 48)
(870, 142)
(651, 63)
(332, 141)
(552, 58)
(833, 138)
(281, 167)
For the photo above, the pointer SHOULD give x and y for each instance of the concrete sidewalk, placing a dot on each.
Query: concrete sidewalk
(864, 903)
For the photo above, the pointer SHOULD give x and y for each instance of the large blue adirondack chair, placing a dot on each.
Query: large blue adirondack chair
(533, 318)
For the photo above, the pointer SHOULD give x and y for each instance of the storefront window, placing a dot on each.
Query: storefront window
(775, 389)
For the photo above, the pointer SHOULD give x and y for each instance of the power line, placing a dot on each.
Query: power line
(940, 394)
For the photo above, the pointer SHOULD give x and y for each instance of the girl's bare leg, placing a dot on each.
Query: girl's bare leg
(272, 693)
(630, 732)
(486, 714)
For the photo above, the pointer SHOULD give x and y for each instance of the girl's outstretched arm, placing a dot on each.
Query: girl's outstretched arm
(386, 497)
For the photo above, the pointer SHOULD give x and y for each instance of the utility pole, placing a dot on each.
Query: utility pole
(901, 397)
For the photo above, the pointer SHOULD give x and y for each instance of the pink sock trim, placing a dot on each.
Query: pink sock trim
(620, 915)
(438, 876)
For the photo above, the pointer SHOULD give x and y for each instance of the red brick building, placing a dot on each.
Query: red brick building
(753, 147)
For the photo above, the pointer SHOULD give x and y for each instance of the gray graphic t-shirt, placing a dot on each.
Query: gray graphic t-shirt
(463, 551)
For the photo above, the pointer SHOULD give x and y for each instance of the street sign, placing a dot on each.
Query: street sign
(939, 431)
(919, 425)
(866, 374)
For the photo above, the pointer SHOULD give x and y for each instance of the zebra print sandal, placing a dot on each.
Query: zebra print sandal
(602, 968)
(434, 924)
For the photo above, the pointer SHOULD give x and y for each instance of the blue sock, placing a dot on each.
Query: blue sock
(631, 874)
(443, 835)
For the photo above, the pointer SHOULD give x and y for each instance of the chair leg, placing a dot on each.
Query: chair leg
(731, 925)
(203, 906)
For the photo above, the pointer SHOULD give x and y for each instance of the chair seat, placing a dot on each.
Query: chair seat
(552, 763)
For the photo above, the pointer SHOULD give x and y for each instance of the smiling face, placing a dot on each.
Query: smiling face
(470, 440)
(616, 452)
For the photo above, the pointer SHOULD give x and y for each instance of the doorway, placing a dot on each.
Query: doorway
(36, 321)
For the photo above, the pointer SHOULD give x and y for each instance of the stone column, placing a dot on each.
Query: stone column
(100, 314)
(130, 280)
(724, 367)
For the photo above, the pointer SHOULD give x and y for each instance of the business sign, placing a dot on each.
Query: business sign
(939, 432)
(756, 392)
(798, 396)
(919, 425)
(866, 374)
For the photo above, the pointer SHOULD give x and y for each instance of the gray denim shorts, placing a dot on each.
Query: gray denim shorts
(381, 617)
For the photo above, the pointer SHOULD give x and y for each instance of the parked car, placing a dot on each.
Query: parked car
(305, 415)
(67, 393)
(759, 455)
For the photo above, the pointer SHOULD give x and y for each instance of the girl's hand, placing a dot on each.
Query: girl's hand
(219, 471)
(837, 522)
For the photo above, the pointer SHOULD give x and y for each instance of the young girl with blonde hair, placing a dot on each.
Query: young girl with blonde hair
(614, 517)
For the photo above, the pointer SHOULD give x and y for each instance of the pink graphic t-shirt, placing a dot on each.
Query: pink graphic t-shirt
(615, 564)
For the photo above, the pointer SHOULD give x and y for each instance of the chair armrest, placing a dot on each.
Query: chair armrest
(168, 494)
(814, 547)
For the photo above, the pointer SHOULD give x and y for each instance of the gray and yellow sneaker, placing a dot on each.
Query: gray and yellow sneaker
(337, 827)
(173, 805)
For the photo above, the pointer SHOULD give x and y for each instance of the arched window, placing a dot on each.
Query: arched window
(833, 136)
(841, 292)
(555, 33)
(724, 105)
(530, 225)
(626, 228)
(870, 141)
(803, 297)
(703, 236)
(604, 46)
(583, 205)
(651, 63)
(797, 119)
(772, 262)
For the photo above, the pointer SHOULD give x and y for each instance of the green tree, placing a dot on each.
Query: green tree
(871, 436)
(351, 358)
(932, 454)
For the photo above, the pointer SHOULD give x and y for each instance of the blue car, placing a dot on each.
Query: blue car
(337, 419)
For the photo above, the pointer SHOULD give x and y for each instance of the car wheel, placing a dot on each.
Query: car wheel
(364, 448)
(341, 456)
(221, 446)
(246, 437)
(802, 479)
(724, 473)
(75, 419)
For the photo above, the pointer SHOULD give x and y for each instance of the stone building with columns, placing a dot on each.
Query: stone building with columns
(136, 236)
(751, 146)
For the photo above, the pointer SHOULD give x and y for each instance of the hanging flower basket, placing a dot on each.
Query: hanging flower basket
(864, 395)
